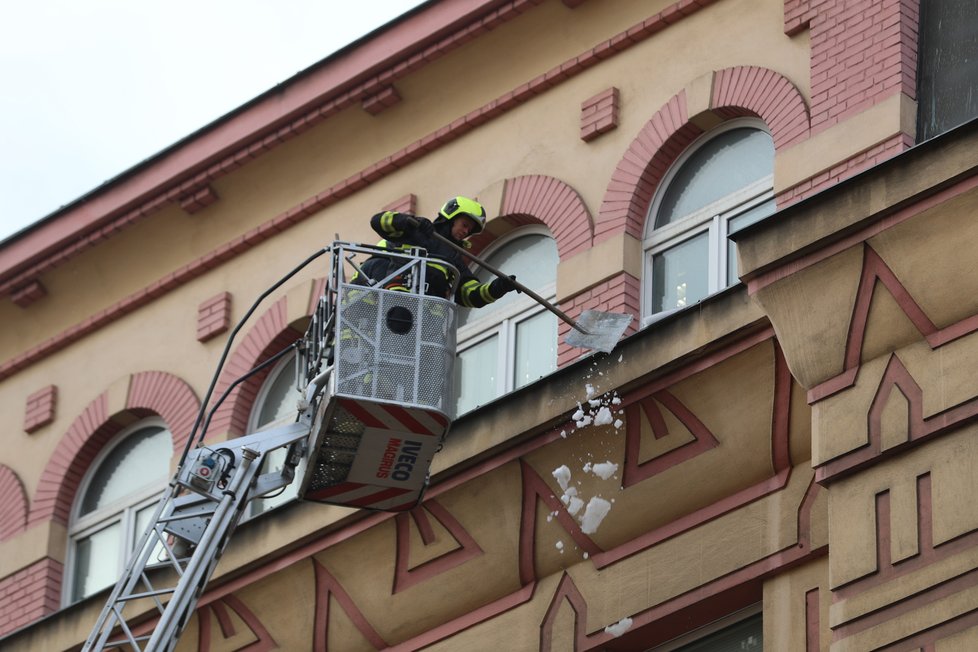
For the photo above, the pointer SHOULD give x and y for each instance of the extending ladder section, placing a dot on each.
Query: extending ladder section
(373, 381)
(191, 527)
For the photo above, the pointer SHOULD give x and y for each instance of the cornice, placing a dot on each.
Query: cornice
(356, 74)
(372, 173)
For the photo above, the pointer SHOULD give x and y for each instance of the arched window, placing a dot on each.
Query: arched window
(722, 183)
(513, 341)
(115, 503)
(274, 406)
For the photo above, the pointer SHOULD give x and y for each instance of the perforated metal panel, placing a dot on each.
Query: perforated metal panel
(338, 451)
(394, 346)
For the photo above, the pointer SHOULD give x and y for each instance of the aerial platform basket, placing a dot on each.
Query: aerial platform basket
(388, 403)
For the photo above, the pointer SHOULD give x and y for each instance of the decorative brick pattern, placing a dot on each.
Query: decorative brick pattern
(30, 594)
(621, 294)
(747, 91)
(554, 203)
(13, 507)
(158, 392)
(213, 316)
(40, 408)
(151, 392)
(862, 52)
(599, 114)
(658, 144)
(406, 204)
(378, 170)
(198, 200)
(381, 101)
(28, 294)
(766, 94)
(269, 335)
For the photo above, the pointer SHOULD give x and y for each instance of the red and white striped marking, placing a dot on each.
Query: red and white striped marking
(387, 416)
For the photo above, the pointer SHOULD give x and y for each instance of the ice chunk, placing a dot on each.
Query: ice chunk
(605, 470)
(620, 627)
(603, 417)
(563, 476)
(594, 513)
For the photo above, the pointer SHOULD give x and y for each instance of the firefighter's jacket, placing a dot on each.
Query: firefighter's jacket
(399, 234)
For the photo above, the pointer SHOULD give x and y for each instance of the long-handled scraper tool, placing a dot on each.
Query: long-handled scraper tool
(596, 330)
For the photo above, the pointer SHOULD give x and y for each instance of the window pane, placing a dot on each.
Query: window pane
(680, 275)
(743, 220)
(96, 561)
(281, 396)
(532, 259)
(723, 165)
(475, 375)
(142, 459)
(536, 348)
(745, 636)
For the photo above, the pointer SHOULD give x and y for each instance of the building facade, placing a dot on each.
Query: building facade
(779, 454)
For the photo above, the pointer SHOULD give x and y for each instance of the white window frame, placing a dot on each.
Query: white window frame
(124, 510)
(714, 219)
(504, 322)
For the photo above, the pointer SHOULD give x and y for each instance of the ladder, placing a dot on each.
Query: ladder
(360, 407)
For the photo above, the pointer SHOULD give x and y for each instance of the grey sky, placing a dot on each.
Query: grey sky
(92, 87)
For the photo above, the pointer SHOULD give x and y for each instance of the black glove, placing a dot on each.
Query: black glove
(424, 226)
(501, 286)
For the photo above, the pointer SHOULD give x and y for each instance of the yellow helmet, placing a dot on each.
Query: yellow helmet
(464, 206)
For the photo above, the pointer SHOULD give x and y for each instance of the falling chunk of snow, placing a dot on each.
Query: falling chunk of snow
(605, 470)
(563, 476)
(616, 400)
(583, 421)
(594, 402)
(620, 627)
(594, 513)
(603, 417)
(577, 416)
(563, 433)
(574, 506)
(586, 555)
(560, 546)
(620, 356)
(589, 390)
(587, 467)
(618, 423)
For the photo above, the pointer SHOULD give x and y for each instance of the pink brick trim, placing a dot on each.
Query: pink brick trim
(744, 91)
(599, 114)
(30, 594)
(302, 211)
(406, 204)
(213, 316)
(554, 203)
(648, 157)
(13, 507)
(620, 294)
(152, 392)
(40, 408)
(198, 199)
(861, 53)
(161, 393)
(379, 102)
(267, 337)
(29, 293)
(766, 94)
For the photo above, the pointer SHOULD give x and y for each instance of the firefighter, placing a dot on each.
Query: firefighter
(457, 220)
